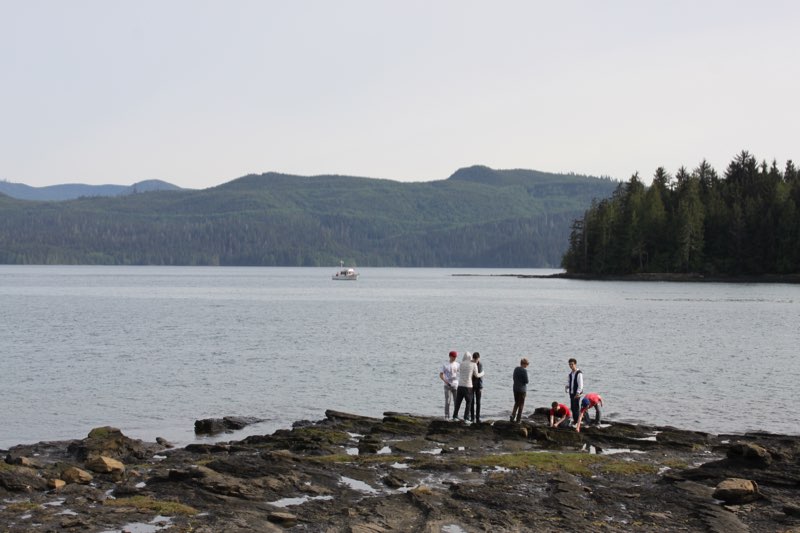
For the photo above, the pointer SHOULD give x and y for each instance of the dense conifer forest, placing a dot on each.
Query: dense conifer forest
(745, 222)
(479, 217)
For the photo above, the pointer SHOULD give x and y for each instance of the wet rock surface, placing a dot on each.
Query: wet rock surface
(409, 473)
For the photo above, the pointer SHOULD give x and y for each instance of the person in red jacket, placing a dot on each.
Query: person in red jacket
(560, 411)
(590, 400)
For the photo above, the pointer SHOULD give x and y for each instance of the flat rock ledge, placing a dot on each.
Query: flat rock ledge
(403, 472)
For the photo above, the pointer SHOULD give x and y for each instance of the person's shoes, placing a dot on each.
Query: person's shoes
(456, 419)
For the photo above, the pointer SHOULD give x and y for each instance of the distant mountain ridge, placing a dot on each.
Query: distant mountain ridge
(478, 217)
(71, 191)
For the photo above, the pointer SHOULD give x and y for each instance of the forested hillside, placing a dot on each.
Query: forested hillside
(477, 217)
(70, 191)
(743, 223)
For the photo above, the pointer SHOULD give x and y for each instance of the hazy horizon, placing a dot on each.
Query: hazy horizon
(199, 93)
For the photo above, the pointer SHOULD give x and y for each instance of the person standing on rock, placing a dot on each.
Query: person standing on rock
(520, 390)
(574, 388)
(562, 411)
(477, 389)
(590, 400)
(449, 375)
(466, 372)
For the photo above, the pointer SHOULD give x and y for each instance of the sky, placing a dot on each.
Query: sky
(198, 92)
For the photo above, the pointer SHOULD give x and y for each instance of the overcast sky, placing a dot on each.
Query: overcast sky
(198, 93)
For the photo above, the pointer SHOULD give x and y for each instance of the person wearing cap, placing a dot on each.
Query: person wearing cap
(477, 389)
(562, 411)
(520, 390)
(449, 375)
(466, 372)
(590, 400)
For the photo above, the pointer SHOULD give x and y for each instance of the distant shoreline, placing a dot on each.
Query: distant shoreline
(658, 276)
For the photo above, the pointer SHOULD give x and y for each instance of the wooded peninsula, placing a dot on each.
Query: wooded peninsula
(745, 223)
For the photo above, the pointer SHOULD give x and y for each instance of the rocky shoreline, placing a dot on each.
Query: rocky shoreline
(405, 472)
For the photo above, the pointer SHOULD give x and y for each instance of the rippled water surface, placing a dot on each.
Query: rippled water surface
(151, 349)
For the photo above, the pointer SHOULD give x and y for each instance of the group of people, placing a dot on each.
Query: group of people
(464, 382)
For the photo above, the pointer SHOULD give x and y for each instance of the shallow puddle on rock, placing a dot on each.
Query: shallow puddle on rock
(435, 451)
(351, 451)
(453, 528)
(385, 451)
(399, 466)
(613, 451)
(156, 524)
(286, 502)
(357, 485)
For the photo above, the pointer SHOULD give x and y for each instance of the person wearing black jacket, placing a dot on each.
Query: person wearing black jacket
(520, 390)
(477, 389)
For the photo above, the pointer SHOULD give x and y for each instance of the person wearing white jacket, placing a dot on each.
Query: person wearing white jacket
(466, 372)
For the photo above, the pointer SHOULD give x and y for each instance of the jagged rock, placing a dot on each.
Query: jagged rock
(369, 444)
(56, 484)
(791, 510)
(285, 519)
(748, 452)
(211, 426)
(104, 465)
(737, 490)
(164, 442)
(23, 461)
(76, 475)
(21, 479)
(110, 442)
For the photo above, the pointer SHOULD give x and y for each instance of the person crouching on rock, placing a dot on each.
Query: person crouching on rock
(559, 415)
(520, 390)
(466, 372)
(590, 400)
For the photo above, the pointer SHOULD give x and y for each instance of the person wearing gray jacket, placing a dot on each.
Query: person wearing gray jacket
(466, 372)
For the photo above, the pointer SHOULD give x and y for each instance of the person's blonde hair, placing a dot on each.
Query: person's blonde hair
(523, 361)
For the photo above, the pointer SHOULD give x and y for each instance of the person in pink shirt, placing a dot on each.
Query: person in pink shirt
(590, 400)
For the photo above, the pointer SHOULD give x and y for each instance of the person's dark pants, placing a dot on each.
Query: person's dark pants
(597, 414)
(575, 407)
(519, 403)
(475, 411)
(463, 393)
(564, 424)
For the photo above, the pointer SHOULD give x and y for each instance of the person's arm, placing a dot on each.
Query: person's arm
(526, 376)
(580, 419)
(441, 376)
(561, 420)
(579, 389)
(479, 374)
(601, 401)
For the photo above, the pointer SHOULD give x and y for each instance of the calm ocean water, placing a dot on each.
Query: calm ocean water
(152, 349)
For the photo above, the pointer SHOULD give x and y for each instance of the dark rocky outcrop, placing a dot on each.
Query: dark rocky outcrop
(410, 473)
(227, 424)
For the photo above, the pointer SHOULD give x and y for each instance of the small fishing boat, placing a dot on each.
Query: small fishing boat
(347, 274)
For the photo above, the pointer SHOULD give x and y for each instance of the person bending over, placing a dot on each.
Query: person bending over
(590, 400)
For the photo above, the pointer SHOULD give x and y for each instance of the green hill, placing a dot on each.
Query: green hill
(479, 217)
